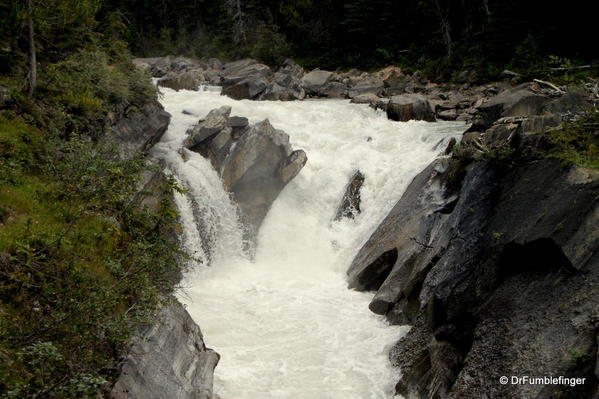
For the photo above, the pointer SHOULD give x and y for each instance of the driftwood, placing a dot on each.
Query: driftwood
(574, 68)
(548, 84)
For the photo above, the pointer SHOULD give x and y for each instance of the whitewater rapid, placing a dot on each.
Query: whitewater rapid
(285, 323)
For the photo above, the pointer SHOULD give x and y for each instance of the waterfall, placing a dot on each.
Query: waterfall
(284, 322)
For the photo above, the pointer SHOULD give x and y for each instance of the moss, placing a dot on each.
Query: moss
(577, 142)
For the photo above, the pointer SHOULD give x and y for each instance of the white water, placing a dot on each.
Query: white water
(285, 324)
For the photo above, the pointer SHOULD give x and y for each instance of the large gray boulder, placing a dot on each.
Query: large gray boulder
(255, 162)
(168, 359)
(286, 84)
(408, 107)
(475, 259)
(139, 131)
(315, 79)
(186, 80)
(257, 168)
(245, 79)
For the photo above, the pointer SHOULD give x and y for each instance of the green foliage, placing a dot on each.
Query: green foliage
(81, 263)
(578, 142)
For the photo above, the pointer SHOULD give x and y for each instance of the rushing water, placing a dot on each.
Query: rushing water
(284, 323)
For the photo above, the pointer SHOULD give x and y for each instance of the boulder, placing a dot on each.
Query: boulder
(475, 258)
(158, 66)
(186, 80)
(520, 101)
(245, 79)
(139, 131)
(168, 359)
(255, 162)
(256, 170)
(365, 99)
(332, 90)
(313, 81)
(410, 107)
(350, 203)
(249, 87)
(368, 85)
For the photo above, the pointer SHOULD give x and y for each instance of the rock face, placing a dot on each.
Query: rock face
(245, 79)
(187, 80)
(497, 270)
(314, 80)
(255, 162)
(139, 131)
(350, 203)
(168, 360)
(408, 107)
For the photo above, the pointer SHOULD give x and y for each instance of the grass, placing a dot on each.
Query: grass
(81, 265)
(578, 142)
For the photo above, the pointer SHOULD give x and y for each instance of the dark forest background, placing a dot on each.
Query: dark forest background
(438, 37)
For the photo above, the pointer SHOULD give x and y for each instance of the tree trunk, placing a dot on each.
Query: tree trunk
(32, 78)
(445, 26)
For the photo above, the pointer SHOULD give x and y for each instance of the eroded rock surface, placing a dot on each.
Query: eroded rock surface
(350, 203)
(255, 162)
(497, 270)
(168, 359)
(139, 131)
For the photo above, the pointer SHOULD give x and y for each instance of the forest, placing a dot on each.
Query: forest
(438, 37)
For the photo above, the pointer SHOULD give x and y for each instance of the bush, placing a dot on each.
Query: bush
(81, 264)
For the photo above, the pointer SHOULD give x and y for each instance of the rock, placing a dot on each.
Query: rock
(247, 88)
(245, 67)
(520, 101)
(139, 131)
(365, 99)
(368, 85)
(450, 145)
(255, 162)
(333, 90)
(476, 259)
(215, 122)
(239, 126)
(410, 107)
(187, 80)
(313, 81)
(507, 74)
(350, 204)
(257, 168)
(448, 115)
(292, 166)
(245, 79)
(158, 66)
(168, 359)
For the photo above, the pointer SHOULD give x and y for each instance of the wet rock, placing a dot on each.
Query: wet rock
(483, 256)
(350, 203)
(201, 135)
(257, 168)
(365, 99)
(139, 131)
(255, 162)
(410, 107)
(168, 359)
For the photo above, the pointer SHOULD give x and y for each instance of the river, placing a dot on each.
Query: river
(284, 322)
